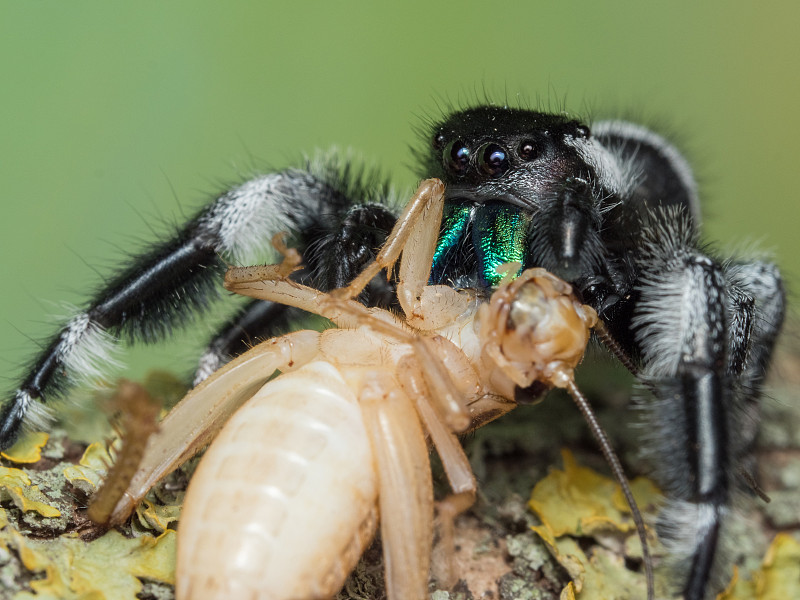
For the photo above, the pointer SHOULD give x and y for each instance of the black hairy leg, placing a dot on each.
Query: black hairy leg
(704, 337)
(256, 321)
(168, 286)
(336, 248)
(756, 310)
(681, 327)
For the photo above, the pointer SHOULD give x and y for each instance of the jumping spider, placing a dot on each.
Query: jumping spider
(612, 209)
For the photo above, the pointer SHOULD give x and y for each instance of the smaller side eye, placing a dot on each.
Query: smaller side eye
(582, 131)
(456, 157)
(494, 160)
(527, 150)
(438, 140)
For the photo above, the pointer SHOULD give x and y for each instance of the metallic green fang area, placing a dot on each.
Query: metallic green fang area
(499, 234)
(454, 224)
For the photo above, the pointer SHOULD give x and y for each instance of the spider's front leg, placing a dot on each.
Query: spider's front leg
(160, 290)
(166, 287)
(757, 306)
(695, 323)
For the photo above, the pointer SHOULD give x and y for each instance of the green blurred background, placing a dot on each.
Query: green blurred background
(116, 116)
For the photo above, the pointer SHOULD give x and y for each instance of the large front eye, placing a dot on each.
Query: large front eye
(456, 157)
(494, 160)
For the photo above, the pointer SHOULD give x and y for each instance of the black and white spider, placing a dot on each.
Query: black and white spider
(612, 209)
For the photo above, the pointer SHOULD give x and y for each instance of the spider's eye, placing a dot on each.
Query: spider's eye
(527, 150)
(494, 160)
(582, 131)
(438, 141)
(456, 157)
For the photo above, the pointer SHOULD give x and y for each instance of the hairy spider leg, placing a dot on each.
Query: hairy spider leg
(704, 333)
(335, 249)
(695, 326)
(417, 230)
(256, 321)
(707, 330)
(330, 208)
(756, 306)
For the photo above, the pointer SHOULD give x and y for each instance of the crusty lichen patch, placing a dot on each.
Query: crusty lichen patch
(28, 448)
(16, 486)
(49, 550)
(112, 566)
(579, 503)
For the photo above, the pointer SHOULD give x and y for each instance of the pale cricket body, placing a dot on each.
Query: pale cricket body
(290, 492)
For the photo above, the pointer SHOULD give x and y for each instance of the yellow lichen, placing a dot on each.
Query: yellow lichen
(580, 501)
(109, 568)
(737, 589)
(28, 448)
(66, 567)
(157, 516)
(777, 579)
(16, 486)
(88, 473)
(566, 552)
(568, 593)
(601, 576)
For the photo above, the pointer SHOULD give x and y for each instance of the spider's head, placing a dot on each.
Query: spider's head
(545, 168)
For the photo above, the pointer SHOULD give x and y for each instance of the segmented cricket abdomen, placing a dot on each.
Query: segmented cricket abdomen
(284, 502)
